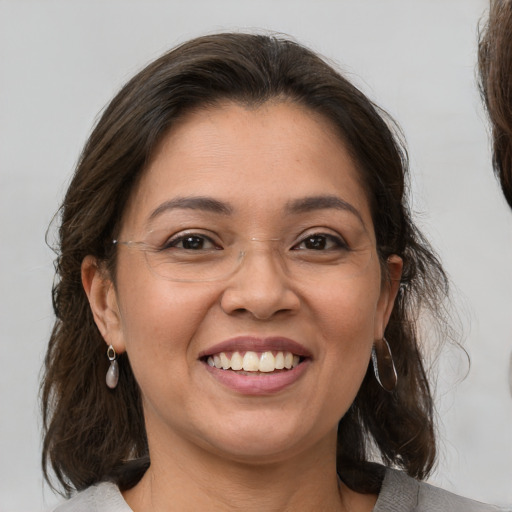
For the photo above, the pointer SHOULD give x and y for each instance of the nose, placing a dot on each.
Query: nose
(260, 287)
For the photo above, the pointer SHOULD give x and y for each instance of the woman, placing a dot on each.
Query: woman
(235, 250)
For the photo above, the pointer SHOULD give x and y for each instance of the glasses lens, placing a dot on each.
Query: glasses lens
(315, 258)
(334, 265)
(189, 265)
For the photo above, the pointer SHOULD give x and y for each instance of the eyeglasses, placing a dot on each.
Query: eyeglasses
(194, 256)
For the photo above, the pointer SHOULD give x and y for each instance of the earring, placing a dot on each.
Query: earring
(383, 365)
(112, 377)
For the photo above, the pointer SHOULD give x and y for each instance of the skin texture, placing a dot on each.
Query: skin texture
(211, 446)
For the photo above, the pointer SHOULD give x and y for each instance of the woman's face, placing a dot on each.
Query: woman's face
(274, 188)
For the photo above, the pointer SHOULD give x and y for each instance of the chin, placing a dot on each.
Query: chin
(260, 442)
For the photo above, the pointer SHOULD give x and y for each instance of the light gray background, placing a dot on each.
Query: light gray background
(61, 61)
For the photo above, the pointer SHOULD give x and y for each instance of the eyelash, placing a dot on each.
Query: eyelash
(338, 241)
(174, 241)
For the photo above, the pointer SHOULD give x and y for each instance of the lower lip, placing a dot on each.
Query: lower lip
(260, 384)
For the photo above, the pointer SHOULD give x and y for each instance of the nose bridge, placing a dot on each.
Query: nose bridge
(264, 252)
(260, 285)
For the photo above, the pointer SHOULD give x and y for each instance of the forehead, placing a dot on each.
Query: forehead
(252, 158)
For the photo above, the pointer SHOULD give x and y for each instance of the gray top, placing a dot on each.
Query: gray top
(399, 493)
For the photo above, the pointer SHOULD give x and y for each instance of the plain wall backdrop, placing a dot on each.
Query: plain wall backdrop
(61, 61)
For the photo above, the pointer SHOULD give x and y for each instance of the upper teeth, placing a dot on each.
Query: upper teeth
(254, 361)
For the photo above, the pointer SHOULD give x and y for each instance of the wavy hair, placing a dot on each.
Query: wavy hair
(92, 433)
(495, 67)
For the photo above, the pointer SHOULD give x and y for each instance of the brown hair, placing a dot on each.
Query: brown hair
(91, 432)
(495, 66)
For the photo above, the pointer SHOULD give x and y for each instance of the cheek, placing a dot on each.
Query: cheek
(351, 307)
(347, 317)
(159, 318)
(160, 321)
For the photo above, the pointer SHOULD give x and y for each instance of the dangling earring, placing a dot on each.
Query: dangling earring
(112, 377)
(383, 365)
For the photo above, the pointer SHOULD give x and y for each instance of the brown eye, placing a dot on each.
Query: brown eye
(321, 242)
(191, 242)
(317, 243)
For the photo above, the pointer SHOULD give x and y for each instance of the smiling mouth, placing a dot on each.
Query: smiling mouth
(254, 363)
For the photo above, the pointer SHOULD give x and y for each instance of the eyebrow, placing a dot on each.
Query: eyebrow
(308, 204)
(206, 204)
(296, 206)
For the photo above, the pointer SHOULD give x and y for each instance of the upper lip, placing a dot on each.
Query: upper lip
(257, 344)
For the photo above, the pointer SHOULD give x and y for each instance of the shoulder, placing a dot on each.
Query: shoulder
(402, 493)
(103, 497)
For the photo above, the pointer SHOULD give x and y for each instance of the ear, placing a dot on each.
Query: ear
(389, 290)
(102, 297)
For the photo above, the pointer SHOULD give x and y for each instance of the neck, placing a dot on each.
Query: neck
(188, 478)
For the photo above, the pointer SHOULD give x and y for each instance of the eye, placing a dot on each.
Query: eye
(191, 242)
(321, 242)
